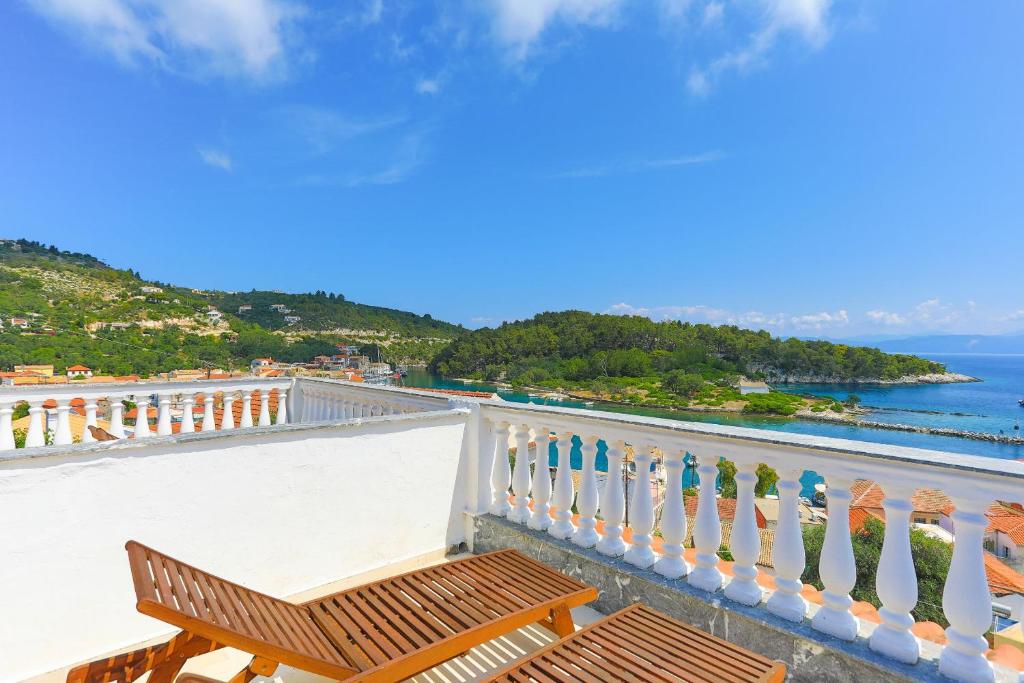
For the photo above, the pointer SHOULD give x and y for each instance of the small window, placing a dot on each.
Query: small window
(920, 520)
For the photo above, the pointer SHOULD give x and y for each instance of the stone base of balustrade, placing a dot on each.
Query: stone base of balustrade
(809, 654)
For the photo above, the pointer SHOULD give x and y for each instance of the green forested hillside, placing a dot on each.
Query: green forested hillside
(79, 310)
(580, 346)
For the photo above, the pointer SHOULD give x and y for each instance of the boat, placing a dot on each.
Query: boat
(589, 404)
(1021, 403)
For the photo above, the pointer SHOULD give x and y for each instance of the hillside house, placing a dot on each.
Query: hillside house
(21, 323)
(148, 289)
(42, 370)
(79, 372)
(292, 319)
(245, 308)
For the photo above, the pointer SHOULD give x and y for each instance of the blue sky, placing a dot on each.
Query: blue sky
(803, 166)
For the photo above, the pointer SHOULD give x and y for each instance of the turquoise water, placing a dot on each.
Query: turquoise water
(989, 405)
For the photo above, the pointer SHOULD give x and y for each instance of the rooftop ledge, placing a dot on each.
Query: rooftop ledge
(364, 477)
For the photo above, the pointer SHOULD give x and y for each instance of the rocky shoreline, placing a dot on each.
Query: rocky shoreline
(931, 378)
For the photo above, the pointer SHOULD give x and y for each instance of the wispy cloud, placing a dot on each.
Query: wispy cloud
(223, 37)
(215, 158)
(776, 322)
(640, 166)
(518, 25)
(405, 159)
(324, 129)
(806, 19)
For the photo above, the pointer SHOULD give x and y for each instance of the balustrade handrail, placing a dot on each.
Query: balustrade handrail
(45, 392)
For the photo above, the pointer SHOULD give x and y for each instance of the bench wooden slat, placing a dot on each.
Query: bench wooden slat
(639, 644)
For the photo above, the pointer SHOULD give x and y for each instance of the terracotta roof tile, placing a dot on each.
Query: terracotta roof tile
(869, 494)
(726, 510)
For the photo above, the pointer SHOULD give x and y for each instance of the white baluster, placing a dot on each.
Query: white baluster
(264, 419)
(142, 418)
(541, 517)
(346, 410)
(163, 415)
(613, 503)
(586, 501)
(521, 477)
(282, 407)
(62, 435)
(6, 426)
(966, 600)
(36, 435)
(837, 567)
(707, 529)
(227, 418)
(745, 540)
(188, 420)
(562, 527)
(90, 420)
(640, 553)
(896, 582)
(501, 472)
(673, 520)
(788, 556)
(116, 416)
(246, 419)
(209, 418)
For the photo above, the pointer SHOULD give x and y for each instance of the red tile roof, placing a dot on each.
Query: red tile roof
(1002, 580)
(726, 510)
(868, 494)
(859, 515)
(1007, 520)
(79, 368)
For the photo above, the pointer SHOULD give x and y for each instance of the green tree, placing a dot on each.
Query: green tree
(931, 564)
(683, 383)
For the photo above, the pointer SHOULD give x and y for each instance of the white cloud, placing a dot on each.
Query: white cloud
(806, 19)
(374, 11)
(712, 14)
(429, 86)
(227, 37)
(639, 166)
(885, 318)
(519, 24)
(820, 321)
(215, 158)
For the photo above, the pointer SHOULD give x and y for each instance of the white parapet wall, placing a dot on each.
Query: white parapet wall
(280, 510)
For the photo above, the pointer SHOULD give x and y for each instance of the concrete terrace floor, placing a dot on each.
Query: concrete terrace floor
(473, 666)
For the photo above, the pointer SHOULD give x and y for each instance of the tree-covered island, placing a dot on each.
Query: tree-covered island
(633, 359)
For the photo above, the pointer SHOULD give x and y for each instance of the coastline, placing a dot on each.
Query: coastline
(931, 378)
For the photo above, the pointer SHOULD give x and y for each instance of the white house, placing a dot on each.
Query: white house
(292, 319)
(258, 364)
(214, 315)
(77, 371)
(244, 307)
(148, 289)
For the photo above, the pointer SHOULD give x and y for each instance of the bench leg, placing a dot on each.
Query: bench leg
(164, 661)
(561, 620)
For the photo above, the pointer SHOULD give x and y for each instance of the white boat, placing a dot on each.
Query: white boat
(588, 404)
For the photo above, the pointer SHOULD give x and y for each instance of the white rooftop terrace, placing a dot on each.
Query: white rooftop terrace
(355, 481)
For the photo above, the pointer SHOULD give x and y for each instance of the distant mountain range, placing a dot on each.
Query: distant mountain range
(943, 343)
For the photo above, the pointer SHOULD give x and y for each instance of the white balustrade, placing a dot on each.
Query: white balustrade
(673, 520)
(116, 417)
(90, 420)
(613, 506)
(163, 415)
(745, 539)
(188, 420)
(966, 601)
(62, 434)
(209, 417)
(520, 511)
(541, 517)
(501, 472)
(707, 529)
(142, 418)
(246, 418)
(6, 426)
(587, 499)
(788, 555)
(264, 418)
(227, 418)
(641, 506)
(563, 494)
(36, 435)
(896, 582)
(837, 567)
(282, 407)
